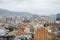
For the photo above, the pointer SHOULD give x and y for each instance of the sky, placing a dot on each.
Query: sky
(40, 7)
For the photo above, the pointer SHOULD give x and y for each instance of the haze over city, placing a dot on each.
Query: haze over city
(40, 7)
(29, 19)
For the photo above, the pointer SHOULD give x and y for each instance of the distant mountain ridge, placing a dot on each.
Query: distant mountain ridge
(12, 13)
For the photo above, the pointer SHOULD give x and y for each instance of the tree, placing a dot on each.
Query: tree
(10, 28)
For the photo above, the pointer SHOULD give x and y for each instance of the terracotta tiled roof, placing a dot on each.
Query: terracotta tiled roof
(40, 34)
(20, 32)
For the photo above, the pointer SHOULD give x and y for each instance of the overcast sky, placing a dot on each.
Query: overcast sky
(41, 7)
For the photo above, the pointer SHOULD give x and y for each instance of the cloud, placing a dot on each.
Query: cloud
(33, 6)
